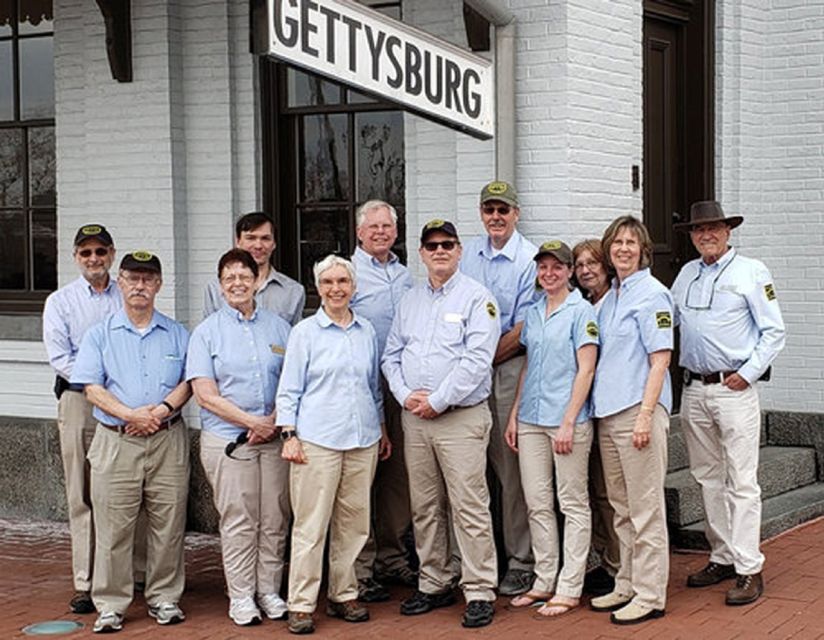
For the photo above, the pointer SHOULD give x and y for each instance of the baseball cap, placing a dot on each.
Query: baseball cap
(557, 249)
(438, 225)
(499, 190)
(140, 261)
(93, 232)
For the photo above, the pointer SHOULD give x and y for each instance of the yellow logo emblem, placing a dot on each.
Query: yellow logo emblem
(276, 348)
(769, 291)
(497, 188)
(663, 319)
(437, 223)
(142, 256)
(91, 230)
(592, 329)
(552, 245)
(491, 310)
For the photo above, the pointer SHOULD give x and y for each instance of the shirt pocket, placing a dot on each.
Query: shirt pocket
(172, 370)
(450, 330)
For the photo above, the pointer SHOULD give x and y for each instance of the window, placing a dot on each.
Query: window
(28, 248)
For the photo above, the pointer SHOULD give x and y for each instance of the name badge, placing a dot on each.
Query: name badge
(453, 317)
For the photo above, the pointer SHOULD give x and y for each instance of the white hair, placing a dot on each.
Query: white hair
(333, 261)
(371, 205)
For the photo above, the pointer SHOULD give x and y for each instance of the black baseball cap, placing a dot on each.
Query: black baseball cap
(438, 225)
(93, 232)
(140, 261)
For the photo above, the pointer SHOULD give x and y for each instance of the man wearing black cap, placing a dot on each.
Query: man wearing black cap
(68, 313)
(132, 365)
(438, 363)
(731, 331)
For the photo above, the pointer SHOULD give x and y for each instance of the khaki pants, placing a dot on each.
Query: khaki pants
(635, 485)
(76, 428)
(513, 512)
(722, 429)
(329, 492)
(604, 538)
(385, 550)
(446, 463)
(251, 494)
(538, 464)
(129, 472)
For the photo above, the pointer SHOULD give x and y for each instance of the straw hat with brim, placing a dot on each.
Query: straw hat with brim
(707, 212)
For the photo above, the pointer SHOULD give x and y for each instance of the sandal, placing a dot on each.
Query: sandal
(528, 599)
(555, 608)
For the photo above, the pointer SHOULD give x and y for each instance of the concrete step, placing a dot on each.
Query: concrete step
(780, 469)
(778, 514)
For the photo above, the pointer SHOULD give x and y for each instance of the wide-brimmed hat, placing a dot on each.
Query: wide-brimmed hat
(707, 212)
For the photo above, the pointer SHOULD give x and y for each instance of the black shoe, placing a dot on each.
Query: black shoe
(370, 590)
(712, 574)
(82, 602)
(478, 613)
(599, 582)
(420, 602)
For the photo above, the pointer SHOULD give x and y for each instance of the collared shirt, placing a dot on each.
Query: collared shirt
(68, 314)
(635, 321)
(509, 274)
(729, 316)
(379, 291)
(136, 368)
(243, 357)
(330, 383)
(279, 294)
(443, 341)
(552, 358)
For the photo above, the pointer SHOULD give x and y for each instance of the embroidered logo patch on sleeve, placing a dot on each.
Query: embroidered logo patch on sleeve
(769, 291)
(663, 319)
(491, 310)
(276, 348)
(592, 329)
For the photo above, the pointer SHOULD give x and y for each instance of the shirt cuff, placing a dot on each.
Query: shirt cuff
(437, 403)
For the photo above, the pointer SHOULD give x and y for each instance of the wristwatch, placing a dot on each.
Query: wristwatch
(285, 434)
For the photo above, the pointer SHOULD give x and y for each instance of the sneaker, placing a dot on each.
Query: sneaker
(401, 575)
(108, 622)
(370, 590)
(609, 602)
(420, 602)
(273, 606)
(167, 613)
(747, 589)
(516, 581)
(712, 574)
(82, 602)
(478, 613)
(300, 622)
(351, 611)
(244, 612)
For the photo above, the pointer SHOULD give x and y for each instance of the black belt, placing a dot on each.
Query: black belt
(166, 424)
(455, 407)
(717, 377)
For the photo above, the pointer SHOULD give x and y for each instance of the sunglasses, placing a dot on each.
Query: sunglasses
(99, 252)
(502, 209)
(446, 245)
(240, 440)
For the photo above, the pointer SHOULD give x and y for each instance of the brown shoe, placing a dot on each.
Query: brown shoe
(351, 611)
(747, 589)
(300, 622)
(713, 573)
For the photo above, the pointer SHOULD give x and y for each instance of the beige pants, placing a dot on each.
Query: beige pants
(513, 512)
(635, 485)
(722, 429)
(251, 494)
(604, 538)
(76, 428)
(329, 492)
(385, 550)
(129, 472)
(446, 462)
(538, 465)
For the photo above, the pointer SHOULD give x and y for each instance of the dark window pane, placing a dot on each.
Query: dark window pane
(36, 78)
(35, 16)
(11, 167)
(5, 17)
(41, 167)
(354, 97)
(44, 241)
(380, 156)
(308, 90)
(322, 231)
(324, 162)
(12, 250)
(6, 82)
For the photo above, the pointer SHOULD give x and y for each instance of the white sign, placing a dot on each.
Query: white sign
(349, 43)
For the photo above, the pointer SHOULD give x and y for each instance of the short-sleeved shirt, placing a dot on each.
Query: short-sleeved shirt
(552, 358)
(634, 321)
(728, 316)
(278, 294)
(138, 368)
(509, 274)
(244, 357)
(443, 341)
(330, 384)
(379, 291)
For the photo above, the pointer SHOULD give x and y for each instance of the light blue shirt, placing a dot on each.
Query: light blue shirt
(379, 292)
(244, 357)
(136, 369)
(278, 294)
(635, 321)
(68, 314)
(509, 275)
(552, 358)
(443, 341)
(728, 316)
(330, 383)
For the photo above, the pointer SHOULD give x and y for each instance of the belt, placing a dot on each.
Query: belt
(456, 407)
(716, 377)
(166, 424)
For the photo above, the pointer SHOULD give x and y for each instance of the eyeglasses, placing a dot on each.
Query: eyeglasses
(133, 279)
(446, 245)
(235, 277)
(99, 252)
(242, 439)
(707, 306)
(502, 209)
(589, 264)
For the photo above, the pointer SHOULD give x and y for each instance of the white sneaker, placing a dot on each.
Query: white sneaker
(244, 612)
(273, 606)
(167, 613)
(108, 622)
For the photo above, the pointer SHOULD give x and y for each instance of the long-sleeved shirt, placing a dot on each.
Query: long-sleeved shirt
(279, 294)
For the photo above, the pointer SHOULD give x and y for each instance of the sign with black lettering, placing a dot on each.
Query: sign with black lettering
(348, 42)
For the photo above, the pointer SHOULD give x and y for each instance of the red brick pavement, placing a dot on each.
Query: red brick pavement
(35, 586)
